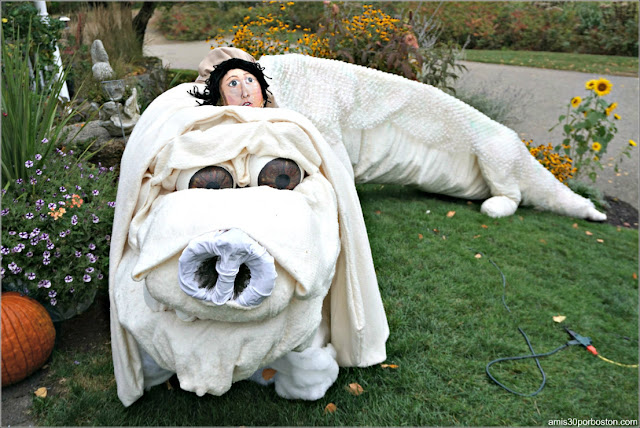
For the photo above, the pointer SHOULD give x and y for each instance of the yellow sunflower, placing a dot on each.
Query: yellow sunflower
(616, 116)
(596, 146)
(611, 108)
(632, 143)
(575, 101)
(591, 84)
(602, 87)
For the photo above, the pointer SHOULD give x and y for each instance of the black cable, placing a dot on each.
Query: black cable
(526, 338)
(522, 357)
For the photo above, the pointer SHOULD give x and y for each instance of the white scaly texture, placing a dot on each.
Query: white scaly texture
(395, 130)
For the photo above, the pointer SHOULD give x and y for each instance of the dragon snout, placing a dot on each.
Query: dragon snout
(227, 266)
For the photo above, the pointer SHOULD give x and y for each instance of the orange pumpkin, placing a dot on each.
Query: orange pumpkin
(28, 336)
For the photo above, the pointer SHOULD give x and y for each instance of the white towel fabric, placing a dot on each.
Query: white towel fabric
(395, 130)
(315, 233)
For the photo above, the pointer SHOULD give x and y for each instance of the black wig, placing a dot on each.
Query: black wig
(211, 94)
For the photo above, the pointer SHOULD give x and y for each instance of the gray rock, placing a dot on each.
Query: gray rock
(102, 71)
(109, 109)
(91, 131)
(98, 53)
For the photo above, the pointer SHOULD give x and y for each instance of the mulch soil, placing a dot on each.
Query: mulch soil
(91, 329)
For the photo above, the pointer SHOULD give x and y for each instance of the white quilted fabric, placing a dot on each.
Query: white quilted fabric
(394, 130)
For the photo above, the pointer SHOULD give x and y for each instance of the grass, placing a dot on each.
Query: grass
(447, 322)
(599, 64)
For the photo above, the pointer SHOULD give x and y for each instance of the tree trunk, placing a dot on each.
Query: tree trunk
(142, 19)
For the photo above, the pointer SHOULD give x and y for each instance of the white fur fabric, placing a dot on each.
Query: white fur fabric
(154, 223)
(394, 130)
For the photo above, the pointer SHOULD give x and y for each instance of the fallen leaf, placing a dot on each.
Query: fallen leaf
(420, 236)
(476, 236)
(575, 225)
(635, 275)
(444, 237)
(169, 387)
(436, 231)
(378, 212)
(521, 218)
(478, 256)
(355, 389)
(268, 373)
(451, 214)
(390, 366)
(600, 240)
(330, 408)
(543, 241)
(484, 226)
(559, 318)
(588, 233)
(469, 203)
(41, 392)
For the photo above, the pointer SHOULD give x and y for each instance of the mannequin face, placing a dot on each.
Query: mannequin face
(241, 88)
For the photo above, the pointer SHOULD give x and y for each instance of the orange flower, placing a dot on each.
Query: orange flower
(57, 214)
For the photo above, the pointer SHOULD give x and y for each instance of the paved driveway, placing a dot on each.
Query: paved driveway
(545, 94)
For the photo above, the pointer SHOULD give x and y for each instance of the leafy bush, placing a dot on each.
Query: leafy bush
(351, 32)
(22, 25)
(55, 232)
(29, 108)
(606, 28)
(205, 20)
(588, 128)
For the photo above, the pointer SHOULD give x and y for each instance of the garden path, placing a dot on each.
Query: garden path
(539, 97)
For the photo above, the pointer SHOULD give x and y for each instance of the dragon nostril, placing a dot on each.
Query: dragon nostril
(206, 275)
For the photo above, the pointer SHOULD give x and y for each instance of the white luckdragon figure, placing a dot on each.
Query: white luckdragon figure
(238, 240)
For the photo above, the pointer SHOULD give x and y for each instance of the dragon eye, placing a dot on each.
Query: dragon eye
(280, 173)
(211, 177)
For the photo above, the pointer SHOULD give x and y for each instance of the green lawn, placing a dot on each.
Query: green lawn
(602, 64)
(447, 322)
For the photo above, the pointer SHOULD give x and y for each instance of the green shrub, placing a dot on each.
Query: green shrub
(606, 28)
(30, 107)
(21, 24)
(204, 20)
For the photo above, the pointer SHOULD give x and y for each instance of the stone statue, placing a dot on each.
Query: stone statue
(114, 117)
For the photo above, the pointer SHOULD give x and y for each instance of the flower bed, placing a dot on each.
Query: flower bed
(55, 232)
